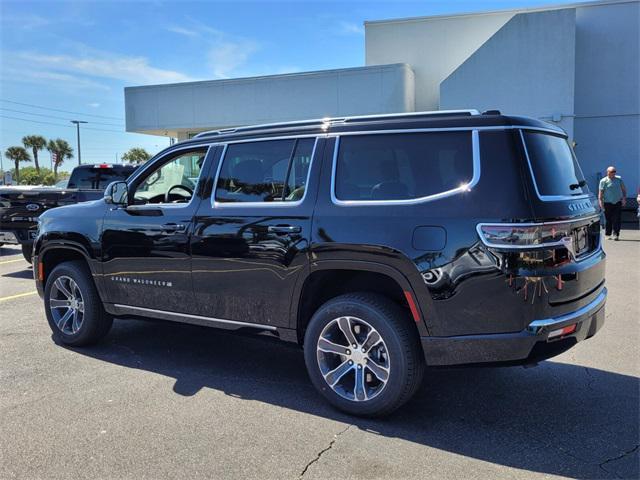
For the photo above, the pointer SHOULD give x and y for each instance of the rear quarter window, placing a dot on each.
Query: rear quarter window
(97, 178)
(553, 165)
(402, 166)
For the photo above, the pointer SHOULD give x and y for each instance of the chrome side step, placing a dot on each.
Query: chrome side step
(119, 309)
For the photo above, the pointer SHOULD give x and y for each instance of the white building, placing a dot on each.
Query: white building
(575, 65)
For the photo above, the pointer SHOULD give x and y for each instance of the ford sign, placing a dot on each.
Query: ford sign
(32, 207)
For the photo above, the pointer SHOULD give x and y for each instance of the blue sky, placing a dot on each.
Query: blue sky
(75, 58)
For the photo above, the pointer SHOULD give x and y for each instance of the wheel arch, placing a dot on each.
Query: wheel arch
(54, 253)
(335, 277)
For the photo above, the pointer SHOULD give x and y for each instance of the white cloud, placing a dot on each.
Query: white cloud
(183, 31)
(27, 21)
(93, 105)
(132, 70)
(350, 28)
(225, 53)
(226, 57)
(22, 74)
(32, 21)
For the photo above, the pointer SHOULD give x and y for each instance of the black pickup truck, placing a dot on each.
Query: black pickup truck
(20, 206)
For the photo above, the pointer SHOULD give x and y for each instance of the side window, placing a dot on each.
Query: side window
(299, 170)
(174, 181)
(264, 171)
(84, 178)
(402, 166)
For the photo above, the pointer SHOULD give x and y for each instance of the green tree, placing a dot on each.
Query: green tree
(136, 155)
(35, 143)
(31, 176)
(17, 154)
(62, 151)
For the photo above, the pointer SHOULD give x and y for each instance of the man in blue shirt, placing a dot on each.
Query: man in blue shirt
(612, 197)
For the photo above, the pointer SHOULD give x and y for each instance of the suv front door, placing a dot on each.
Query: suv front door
(250, 239)
(147, 262)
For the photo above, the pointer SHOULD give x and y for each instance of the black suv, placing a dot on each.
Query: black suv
(382, 244)
(20, 206)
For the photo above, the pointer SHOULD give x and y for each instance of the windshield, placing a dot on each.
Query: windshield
(96, 178)
(554, 167)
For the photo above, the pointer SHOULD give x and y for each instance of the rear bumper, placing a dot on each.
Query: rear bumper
(21, 236)
(528, 346)
(9, 237)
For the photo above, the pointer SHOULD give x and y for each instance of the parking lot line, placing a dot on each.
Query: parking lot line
(12, 261)
(17, 296)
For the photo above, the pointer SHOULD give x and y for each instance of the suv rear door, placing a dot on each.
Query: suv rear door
(251, 238)
(560, 196)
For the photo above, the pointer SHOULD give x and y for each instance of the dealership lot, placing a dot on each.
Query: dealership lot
(158, 399)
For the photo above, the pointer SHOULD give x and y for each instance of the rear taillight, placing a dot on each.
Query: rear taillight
(525, 236)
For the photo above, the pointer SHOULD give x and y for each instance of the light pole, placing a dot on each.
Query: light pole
(77, 123)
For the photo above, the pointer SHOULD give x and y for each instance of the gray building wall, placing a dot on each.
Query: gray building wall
(607, 91)
(434, 47)
(184, 108)
(525, 67)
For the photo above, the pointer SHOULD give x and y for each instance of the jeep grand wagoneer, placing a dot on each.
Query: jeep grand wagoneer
(381, 244)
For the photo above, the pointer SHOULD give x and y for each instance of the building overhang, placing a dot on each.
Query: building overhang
(183, 109)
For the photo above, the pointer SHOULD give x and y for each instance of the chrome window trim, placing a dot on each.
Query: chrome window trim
(198, 317)
(216, 204)
(446, 129)
(332, 120)
(545, 198)
(475, 150)
(208, 146)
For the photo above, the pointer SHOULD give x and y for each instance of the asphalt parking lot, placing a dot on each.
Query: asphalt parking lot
(162, 400)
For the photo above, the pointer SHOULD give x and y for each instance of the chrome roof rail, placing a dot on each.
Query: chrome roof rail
(335, 120)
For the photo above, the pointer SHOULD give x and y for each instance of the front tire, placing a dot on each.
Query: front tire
(26, 252)
(74, 309)
(363, 354)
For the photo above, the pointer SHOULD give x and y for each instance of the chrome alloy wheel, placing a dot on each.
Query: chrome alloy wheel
(66, 305)
(353, 359)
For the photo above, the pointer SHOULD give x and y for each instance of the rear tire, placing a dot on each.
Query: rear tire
(363, 377)
(74, 309)
(26, 252)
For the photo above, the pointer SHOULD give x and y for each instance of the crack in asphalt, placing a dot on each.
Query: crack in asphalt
(549, 445)
(591, 379)
(613, 459)
(563, 451)
(323, 451)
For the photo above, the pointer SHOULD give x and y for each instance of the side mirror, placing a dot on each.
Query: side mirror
(116, 193)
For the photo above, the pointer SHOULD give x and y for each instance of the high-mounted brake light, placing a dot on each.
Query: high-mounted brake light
(102, 165)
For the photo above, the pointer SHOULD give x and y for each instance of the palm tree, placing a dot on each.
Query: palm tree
(35, 143)
(62, 151)
(17, 154)
(136, 155)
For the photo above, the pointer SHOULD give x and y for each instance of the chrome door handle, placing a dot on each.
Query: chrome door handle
(283, 229)
(174, 227)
